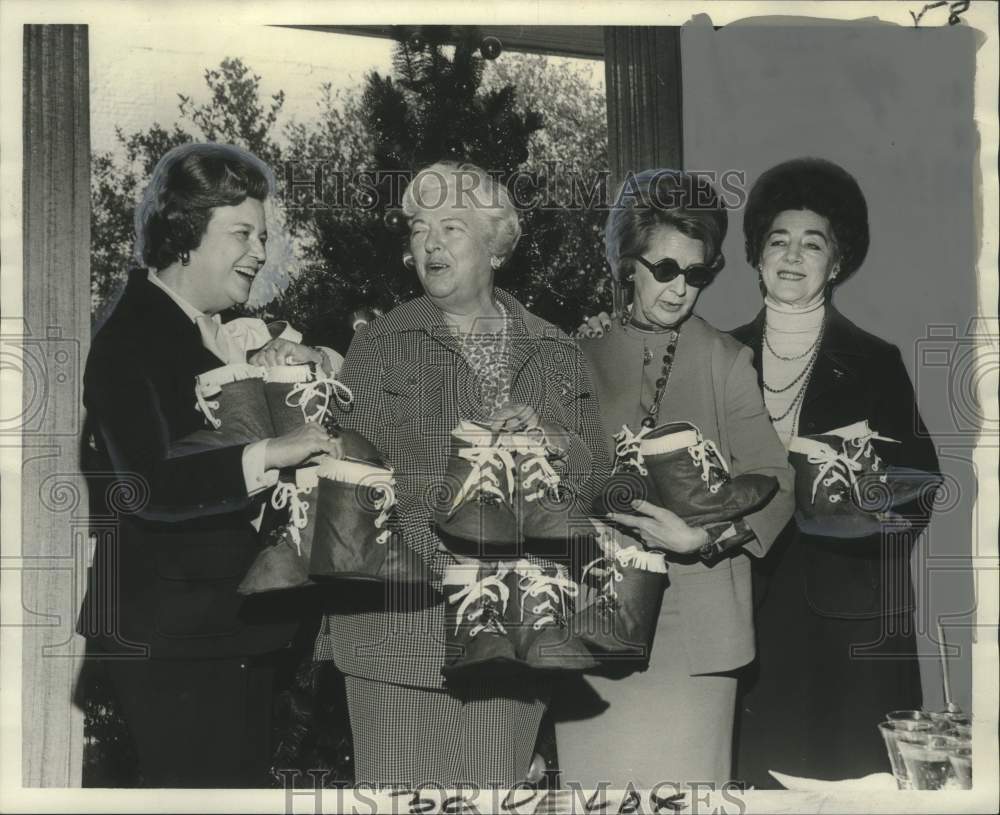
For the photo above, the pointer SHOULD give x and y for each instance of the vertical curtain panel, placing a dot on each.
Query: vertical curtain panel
(642, 67)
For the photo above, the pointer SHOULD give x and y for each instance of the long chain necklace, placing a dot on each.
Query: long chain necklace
(813, 351)
(649, 420)
(805, 374)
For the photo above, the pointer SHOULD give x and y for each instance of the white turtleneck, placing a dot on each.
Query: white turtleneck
(791, 332)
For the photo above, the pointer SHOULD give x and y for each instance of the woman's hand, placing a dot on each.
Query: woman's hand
(299, 445)
(514, 418)
(660, 528)
(286, 352)
(594, 326)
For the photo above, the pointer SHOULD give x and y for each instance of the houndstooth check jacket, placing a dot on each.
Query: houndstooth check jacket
(412, 386)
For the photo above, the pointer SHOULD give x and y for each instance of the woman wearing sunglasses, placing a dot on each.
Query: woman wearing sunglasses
(660, 363)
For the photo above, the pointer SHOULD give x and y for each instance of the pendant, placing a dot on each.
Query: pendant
(647, 356)
(649, 421)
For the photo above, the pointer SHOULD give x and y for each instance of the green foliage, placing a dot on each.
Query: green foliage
(552, 135)
(234, 115)
(537, 117)
(521, 113)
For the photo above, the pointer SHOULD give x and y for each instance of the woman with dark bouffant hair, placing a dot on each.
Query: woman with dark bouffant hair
(836, 645)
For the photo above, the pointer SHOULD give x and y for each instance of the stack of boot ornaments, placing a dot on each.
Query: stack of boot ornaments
(293, 396)
(504, 609)
(511, 616)
(674, 467)
(844, 489)
(341, 522)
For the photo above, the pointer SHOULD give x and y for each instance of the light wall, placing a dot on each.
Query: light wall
(894, 106)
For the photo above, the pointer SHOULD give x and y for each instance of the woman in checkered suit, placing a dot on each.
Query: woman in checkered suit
(465, 350)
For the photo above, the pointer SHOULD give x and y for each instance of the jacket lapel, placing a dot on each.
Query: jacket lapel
(834, 383)
(755, 341)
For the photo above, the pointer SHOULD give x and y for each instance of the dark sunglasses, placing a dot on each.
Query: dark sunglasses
(698, 275)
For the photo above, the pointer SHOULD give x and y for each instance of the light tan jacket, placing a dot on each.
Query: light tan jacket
(713, 385)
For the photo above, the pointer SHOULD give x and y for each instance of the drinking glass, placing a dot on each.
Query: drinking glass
(944, 719)
(890, 731)
(926, 757)
(960, 756)
(909, 716)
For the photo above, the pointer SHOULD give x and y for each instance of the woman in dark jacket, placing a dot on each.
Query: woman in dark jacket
(836, 647)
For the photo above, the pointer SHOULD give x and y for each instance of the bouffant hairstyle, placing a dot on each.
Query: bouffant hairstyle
(472, 186)
(820, 186)
(653, 199)
(656, 198)
(186, 185)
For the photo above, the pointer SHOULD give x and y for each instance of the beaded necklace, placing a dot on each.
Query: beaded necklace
(804, 376)
(649, 420)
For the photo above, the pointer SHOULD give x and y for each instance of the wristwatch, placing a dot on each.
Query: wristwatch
(724, 537)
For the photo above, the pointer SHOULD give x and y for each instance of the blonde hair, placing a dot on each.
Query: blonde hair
(434, 185)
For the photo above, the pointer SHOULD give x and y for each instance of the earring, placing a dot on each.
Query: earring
(496, 262)
(408, 260)
(185, 258)
(631, 278)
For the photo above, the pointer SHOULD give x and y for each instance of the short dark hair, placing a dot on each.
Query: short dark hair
(653, 198)
(187, 184)
(820, 186)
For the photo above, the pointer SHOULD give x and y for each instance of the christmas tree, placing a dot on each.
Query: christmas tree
(435, 107)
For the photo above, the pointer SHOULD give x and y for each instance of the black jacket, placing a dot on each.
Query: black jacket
(176, 538)
(857, 376)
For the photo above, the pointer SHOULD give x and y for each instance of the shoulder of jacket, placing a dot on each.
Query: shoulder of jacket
(864, 342)
(723, 344)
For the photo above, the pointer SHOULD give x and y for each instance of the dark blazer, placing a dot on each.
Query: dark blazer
(165, 577)
(857, 376)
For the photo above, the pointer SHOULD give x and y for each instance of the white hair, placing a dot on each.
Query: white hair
(438, 183)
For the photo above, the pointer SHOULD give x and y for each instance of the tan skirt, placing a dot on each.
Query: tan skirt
(661, 726)
(416, 736)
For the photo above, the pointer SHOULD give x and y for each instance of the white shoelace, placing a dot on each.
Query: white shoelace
(384, 504)
(486, 595)
(320, 389)
(207, 408)
(840, 467)
(488, 464)
(627, 455)
(287, 494)
(552, 591)
(707, 455)
(834, 467)
(539, 476)
(605, 569)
